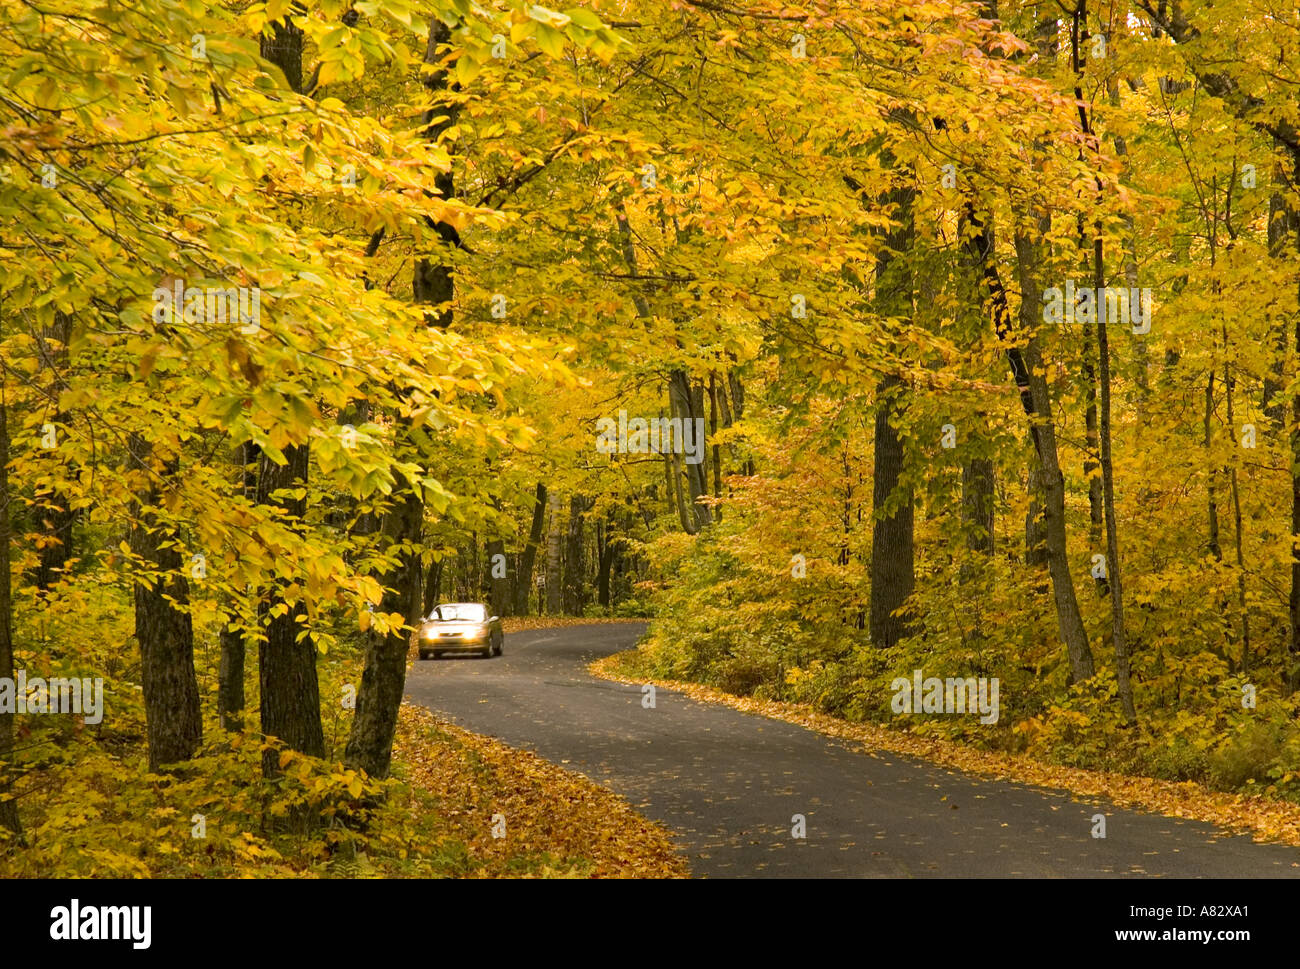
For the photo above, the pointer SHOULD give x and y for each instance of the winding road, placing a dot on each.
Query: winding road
(728, 784)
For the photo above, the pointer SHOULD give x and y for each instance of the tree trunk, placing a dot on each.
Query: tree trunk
(713, 436)
(230, 679)
(1212, 510)
(284, 49)
(1035, 517)
(524, 574)
(575, 593)
(892, 545)
(892, 549)
(1027, 368)
(173, 722)
(230, 676)
(682, 405)
(607, 551)
(554, 552)
(290, 694)
(1069, 620)
(370, 743)
(1279, 227)
(1293, 642)
(433, 585)
(977, 504)
(1096, 514)
(8, 807)
(1114, 572)
(736, 409)
(679, 401)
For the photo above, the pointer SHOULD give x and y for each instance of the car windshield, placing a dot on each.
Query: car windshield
(471, 612)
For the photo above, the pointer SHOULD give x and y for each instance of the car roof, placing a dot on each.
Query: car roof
(455, 605)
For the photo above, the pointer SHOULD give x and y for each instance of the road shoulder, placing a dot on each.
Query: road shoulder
(1265, 820)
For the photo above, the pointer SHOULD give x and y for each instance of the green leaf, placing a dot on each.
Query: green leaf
(584, 18)
(550, 41)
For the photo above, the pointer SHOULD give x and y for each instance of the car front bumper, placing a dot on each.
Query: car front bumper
(449, 644)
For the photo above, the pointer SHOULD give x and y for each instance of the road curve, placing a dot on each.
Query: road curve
(728, 783)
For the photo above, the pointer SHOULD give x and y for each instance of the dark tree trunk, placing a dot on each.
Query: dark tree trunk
(684, 405)
(174, 725)
(56, 521)
(8, 807)
(433, 585)
(1293, 642)
(370, 743)
(575, 592)
(284, 50)
(554, 556)
(892, 546)
(230, 676)
(892, 549)
(713, 436)
(977, 504)
(524, 574)
(1279, 228)
(290, 704)
(1035, 517)
(1069, 619)
(608, 550)
(290, 693)
(230, 679)
(735, 408)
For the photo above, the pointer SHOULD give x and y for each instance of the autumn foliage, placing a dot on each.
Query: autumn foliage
(311, 313)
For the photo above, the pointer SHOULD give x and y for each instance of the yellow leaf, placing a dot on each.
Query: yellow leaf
(466, 69)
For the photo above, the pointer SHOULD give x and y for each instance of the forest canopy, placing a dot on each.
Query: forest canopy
(841, 340)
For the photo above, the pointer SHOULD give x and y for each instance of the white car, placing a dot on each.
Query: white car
(460, 627)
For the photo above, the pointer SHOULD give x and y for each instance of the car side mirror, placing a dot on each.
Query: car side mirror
(494, 619)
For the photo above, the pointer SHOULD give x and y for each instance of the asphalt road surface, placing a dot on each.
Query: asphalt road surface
(728, 783)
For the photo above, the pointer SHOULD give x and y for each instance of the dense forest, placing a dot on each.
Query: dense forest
(840, 339)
